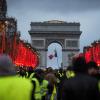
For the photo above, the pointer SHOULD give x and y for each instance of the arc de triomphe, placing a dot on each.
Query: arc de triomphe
(66, 34)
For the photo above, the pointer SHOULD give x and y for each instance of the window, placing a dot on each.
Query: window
(38, 43)
(71, 43)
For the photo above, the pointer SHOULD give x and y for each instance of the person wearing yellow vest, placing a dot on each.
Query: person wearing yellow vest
(52, 85)
(11, 86)
(37, 81)
(44, 88)
(37, 89)
(70, 72)
(40, 90)
(40, 85)
(30, 73)
(60, 72)
(54, 94)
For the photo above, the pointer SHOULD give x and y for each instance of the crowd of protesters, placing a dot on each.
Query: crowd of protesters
(79, 81)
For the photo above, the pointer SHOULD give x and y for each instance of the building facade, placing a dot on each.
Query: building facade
(3, 8)
(55, 31)
(8, 28)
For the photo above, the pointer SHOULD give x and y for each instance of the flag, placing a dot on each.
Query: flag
(55, 53)
(50, 56)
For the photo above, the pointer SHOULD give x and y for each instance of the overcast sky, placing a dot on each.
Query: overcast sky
(87, 12)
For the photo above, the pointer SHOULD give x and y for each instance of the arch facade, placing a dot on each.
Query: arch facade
(66, 34)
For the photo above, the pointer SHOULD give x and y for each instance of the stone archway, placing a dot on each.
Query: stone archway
(54, 55)
(59, 41)
(44, 33)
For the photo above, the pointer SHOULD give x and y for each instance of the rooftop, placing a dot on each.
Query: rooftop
(55, 22)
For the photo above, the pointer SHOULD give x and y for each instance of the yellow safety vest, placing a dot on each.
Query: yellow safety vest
(58, 80)
(15, 88)
(37, 94)
(61, 74)
(99, 85)
(53, 93)
(31, 76)
(44, 88)
(26, 74)
(70, 74)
